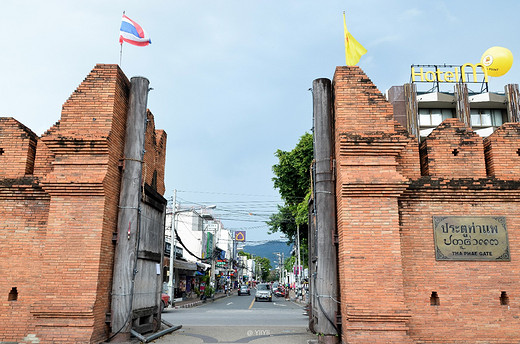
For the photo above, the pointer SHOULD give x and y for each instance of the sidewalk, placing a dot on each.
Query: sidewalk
(196, 301)
(292, 297)
(192, 302)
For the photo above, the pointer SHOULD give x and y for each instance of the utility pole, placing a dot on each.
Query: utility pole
(326, 269)
(299, 263)
(129, 214)
(279, 255)
(213, 247)
(171, 279)
(283, 268)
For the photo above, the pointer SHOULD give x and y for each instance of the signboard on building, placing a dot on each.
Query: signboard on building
(444, 75)
(449, 73)
(212, 227)
(240, 236)
(481, 238)
(209, 244)
(178, 251)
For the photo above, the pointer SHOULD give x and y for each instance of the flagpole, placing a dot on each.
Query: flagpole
(121, 50)
(353, 49)
(345, 37)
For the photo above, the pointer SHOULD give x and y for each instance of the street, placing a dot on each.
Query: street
(239, 319)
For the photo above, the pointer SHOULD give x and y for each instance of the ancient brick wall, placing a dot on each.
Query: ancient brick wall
(17, 148)
(367, 187)
(393, 288)
(59, 212)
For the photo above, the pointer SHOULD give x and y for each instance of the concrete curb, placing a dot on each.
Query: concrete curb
(200, 302)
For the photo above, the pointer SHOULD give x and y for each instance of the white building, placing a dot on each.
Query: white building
(188, 246)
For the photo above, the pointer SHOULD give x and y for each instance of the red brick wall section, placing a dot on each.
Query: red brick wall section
(503, 152)
(362, 108)
(154, 158)
(469, 292)
(111, 185)
(160, 159)
(17, 149)
(370, 273)
(387, 265)
(23, 216)
(453, 150)
(407, 159)
(57, 226)
(82, 185)
(43, 160)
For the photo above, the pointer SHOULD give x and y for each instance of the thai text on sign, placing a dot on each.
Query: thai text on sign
(471, 238)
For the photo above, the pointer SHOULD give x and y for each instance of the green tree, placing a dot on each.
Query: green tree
(273, 276)
(293, 181)
(263, 266)
(245, 254)
(289, 263)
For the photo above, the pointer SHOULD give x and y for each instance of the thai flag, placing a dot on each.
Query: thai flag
(133, 33)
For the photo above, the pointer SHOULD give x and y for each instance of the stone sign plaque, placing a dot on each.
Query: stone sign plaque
(482, 238)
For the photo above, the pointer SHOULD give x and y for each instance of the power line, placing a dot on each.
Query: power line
(223, 193)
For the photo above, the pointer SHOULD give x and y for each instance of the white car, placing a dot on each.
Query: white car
(263, 292)
(244, 289)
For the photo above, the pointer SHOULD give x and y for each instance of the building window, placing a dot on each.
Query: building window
(430, 118)
(433, 117)
(486, 117)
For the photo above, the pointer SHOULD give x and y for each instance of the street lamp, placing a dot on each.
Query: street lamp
(172, 240)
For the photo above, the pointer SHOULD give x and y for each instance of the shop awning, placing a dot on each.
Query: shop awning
(203, 266)
(182, 265)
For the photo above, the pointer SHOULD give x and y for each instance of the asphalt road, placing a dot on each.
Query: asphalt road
(239, 319)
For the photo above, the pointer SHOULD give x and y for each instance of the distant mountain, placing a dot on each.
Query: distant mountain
(268, 249)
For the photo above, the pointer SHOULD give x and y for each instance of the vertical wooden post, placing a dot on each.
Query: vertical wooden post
(412, 111)
(463, 112)
(513, 103)
(129, 211)
(396, 97)
(326, 270)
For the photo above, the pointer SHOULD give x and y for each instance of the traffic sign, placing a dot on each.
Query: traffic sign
(240, 236)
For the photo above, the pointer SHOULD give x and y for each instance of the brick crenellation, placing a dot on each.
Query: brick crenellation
(388, 188)
(59, 196)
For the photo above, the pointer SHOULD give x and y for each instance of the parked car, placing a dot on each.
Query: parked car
(165, 301)
(244, 289)
(263, 292)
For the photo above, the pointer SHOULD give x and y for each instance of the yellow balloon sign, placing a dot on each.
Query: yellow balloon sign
(497, 60)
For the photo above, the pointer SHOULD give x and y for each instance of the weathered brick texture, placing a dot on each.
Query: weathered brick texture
(388, 190)
(451, 149)
(59, 198)
(17, 148)
(503, 152)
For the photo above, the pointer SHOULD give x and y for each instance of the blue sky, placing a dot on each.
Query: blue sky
(231, 79)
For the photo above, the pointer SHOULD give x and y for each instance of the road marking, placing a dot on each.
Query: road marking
(251, 305)
(279, 304)
(229, 303)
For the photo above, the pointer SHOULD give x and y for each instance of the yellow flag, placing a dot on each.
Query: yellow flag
(353, 49)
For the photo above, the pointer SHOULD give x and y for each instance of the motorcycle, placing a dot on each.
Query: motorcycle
(279, 292)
